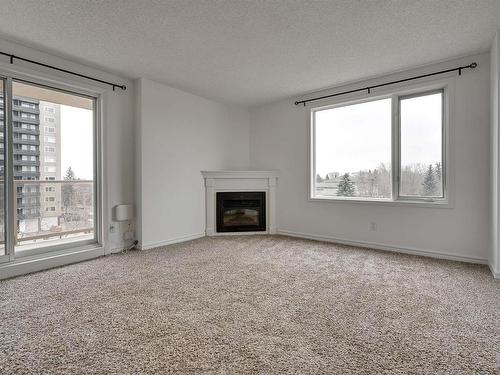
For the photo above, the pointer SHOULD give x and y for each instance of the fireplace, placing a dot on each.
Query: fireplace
(241, 211)
(223, 190)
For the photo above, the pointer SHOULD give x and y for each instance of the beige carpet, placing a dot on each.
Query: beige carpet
(252, 305)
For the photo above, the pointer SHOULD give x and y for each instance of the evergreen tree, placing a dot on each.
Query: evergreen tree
(318, 178)
(439, 172)
(429, 186)
(70, 175)
(67, 190)
(346, 186)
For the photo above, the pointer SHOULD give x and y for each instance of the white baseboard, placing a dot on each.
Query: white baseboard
(385, 247)
(496, 273)
(170, 241)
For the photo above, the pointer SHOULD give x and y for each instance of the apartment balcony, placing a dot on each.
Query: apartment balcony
(26, 162)
(25, 120)
(20, 130)
(24, 152)
(18, 141)
(27, 204)
(19, 108)
(26, 176)
(27, 194)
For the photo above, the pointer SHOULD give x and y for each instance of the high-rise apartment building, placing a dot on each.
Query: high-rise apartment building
(50, 164)
(26, 161)
(36, 142)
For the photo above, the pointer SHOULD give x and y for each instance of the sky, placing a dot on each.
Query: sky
(76, 141)
(358, 137)
(76, 127)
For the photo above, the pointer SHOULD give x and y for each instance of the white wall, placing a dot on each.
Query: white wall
(118, 127)
(494, 257)
(181, 134)
(279, 140)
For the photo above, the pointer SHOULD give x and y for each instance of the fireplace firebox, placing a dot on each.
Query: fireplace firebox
(241, 211)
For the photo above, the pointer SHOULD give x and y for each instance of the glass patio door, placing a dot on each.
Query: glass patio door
(53, 161)
(49, 193)
(4, 256)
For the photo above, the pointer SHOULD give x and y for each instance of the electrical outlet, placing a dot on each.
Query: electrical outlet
(373, 226)
(112, 228)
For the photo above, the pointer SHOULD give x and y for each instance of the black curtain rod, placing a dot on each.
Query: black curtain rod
(12, 57)
(369, 88)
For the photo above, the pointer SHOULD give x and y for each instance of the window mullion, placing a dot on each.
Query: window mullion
(312, 154)
(395, 141)
(10, 219)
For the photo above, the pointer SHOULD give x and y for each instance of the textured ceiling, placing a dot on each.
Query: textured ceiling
(252, 52)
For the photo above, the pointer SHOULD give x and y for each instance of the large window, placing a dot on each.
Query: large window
(385, 149)
(48, 193)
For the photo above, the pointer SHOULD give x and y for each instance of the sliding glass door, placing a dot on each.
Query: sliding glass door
(3, 252)
(48, 169)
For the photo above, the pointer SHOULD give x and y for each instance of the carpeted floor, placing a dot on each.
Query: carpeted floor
(252, 305)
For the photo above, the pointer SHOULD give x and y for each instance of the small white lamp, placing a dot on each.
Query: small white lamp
(122, 212)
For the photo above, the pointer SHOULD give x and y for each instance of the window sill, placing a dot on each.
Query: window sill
(385, 202)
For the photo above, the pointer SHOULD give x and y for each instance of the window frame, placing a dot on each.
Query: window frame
(447, 86)
(12, 74)
(444, 147)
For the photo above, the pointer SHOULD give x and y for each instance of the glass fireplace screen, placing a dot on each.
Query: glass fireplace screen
(241, 211)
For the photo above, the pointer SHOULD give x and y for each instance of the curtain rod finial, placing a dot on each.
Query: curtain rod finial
(473, 65)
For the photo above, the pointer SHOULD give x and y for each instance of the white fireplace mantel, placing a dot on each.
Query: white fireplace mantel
(221, 181)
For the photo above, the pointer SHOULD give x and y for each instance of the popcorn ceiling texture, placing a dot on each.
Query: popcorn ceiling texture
(252, 52)
(247, 305)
